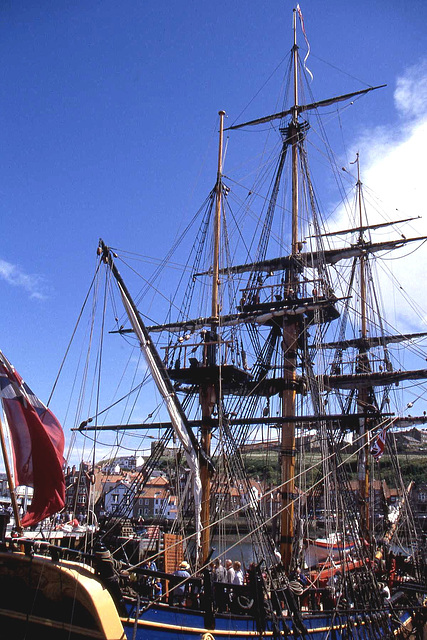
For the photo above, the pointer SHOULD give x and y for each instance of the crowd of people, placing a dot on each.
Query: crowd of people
(231, 572)
(223, 575)
(232, 588)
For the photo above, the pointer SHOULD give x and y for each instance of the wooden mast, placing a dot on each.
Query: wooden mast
(290, 332)
(217, 224)
(363, 365)
(208, 392)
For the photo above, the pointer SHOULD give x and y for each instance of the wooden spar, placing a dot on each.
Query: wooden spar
(372, 379)
(305, 107)
(365, 227)
(208, 393)
(306, 421)
(372, 341)
(10, 480)
(155, 363)
(315, 258)
(287, 450)
(194, 453)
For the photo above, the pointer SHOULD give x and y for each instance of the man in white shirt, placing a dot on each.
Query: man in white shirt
(230, 571)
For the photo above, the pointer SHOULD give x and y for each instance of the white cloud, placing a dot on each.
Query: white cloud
(393, 171)
(411, 91)
(31, 283)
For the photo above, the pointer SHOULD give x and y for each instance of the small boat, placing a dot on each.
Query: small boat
(278, 347)
(327, 549)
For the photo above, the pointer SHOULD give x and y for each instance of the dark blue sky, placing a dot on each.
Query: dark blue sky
(108, 117)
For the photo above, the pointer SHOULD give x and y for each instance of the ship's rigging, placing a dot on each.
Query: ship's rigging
(282, 347)
(283, 300)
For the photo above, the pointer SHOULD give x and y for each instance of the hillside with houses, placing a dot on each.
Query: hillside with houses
(120, 487)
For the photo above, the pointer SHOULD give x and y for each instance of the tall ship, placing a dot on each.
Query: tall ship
(272, 388)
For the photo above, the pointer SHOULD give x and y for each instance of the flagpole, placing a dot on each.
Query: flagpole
(10, 480)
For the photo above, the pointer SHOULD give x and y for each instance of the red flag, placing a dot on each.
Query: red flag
(37, 445)
(301, 19)
(306, 40)
(378, 445)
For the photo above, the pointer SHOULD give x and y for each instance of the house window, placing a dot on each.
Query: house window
(422, 496)
(146, 501)
(145, 512)
(115, 498)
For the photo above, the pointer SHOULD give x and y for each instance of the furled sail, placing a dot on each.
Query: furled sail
(264, 314)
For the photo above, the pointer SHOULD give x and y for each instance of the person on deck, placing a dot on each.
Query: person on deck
(219, 571)
(238, 573)
(157, 589)
(219, 575)
(230, 571)
(180, 591)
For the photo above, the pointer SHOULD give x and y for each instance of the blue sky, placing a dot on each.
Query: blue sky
(108, 117)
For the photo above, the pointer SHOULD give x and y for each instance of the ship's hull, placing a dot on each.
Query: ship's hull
(43, 597)
(53, 599)
(186, 627)
(167, 623)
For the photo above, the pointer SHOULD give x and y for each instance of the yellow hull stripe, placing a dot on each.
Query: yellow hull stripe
(213, 633)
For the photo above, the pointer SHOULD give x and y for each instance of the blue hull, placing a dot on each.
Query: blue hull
(169, 623)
